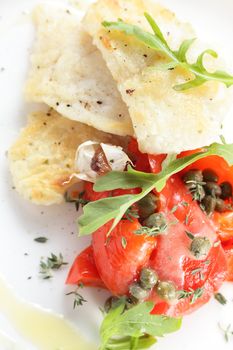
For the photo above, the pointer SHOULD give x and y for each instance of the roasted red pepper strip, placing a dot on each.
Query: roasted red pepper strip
(84, 270)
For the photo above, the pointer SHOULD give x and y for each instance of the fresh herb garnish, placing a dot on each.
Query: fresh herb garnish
(157, 42)
(186, 220)
(135, 327)
(194, 271)
(53, 262)
(174, 209)
(78, 298)
(41, 239)
(220, 298)
(131, 214)
(123, 242)
(135, 343)
(190, 234)
(194, 294)
(226, 331)
(196, 189)
(150, 231)
(99, 212)
(77, 201)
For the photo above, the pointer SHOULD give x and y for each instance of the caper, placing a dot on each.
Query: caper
(155, 220)
(213, 189)
(148, 278)
(166, 290)
(200, 247)
(111, 303)
(193, 175)
(147, 205)
(138, 292)
(226, 188)
(221, 206)
(210, 175)
(209, 203)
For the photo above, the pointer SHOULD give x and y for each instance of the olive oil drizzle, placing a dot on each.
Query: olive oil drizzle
(44, 329)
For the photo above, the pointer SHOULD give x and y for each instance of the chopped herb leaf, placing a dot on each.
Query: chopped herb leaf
(78, 298)
(123, 242)
(207, 262)
(174, 209)
(227, 332)
(152, 231)
(41, 239)
(186, 220)
(189, 234)
(193, 272)
(220, 298)
(53, 262)
(194, 294)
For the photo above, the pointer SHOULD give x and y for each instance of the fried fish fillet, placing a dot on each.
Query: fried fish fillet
(69, 74)
(42, 158)
(164, 120)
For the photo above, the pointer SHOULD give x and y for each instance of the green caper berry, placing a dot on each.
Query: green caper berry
(138, 292)
(221, 206)
(147, 205)
(193, 175)
(226, 188)
(210, 175)
(148, 278)
(110, 303)
(213, 189)
(200, 247)
(209, 203)
(166, 290)
(155, 220)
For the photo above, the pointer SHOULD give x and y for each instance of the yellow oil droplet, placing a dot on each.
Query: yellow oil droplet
(45, 330)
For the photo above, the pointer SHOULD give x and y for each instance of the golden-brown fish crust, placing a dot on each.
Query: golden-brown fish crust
(42, 158)
(69, 74)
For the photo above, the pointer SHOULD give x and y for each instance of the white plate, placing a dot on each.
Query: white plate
(21, 221)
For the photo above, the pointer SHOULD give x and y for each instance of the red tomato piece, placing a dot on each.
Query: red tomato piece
(119, 266)
(84, 270)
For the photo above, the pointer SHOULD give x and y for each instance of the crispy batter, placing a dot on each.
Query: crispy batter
(69, 74)
(42, 158)
(164, 120)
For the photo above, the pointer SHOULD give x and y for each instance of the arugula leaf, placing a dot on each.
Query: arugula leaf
(135, 322)
(132, 343)
(98, 213)
(157, 42)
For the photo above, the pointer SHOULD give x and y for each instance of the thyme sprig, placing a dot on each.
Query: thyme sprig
(53, 262)
(193, 293)
(78, 298)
